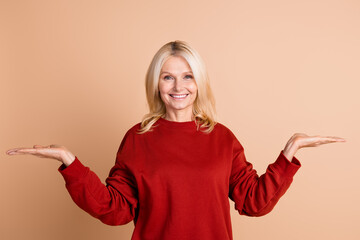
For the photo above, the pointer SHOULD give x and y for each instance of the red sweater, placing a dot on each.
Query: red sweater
(174, 183)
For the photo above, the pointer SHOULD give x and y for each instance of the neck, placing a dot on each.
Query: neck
(179, 117)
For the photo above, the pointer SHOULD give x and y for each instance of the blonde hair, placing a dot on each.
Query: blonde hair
(204, 104)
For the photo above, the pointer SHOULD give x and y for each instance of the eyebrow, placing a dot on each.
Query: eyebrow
(170, 73)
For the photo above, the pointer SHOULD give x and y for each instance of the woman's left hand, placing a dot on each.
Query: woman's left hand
(301, 140)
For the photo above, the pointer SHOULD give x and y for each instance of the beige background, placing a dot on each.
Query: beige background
(72, 73)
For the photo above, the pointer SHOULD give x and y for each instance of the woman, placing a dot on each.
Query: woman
(175, 170)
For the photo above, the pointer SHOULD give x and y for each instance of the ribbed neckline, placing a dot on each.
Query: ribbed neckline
(173, 124)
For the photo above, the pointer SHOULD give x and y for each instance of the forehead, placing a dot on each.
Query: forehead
(176, 64)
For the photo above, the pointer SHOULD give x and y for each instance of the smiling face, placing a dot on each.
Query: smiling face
(177, 88)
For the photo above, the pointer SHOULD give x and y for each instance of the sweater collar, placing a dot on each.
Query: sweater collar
(177, 125)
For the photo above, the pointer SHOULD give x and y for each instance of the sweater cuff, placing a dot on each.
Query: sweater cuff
(285, 167)
(74, 171)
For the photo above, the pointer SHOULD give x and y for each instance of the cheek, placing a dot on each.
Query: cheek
(162, 93)
(164, 87)
(163, 90)
(193, 88)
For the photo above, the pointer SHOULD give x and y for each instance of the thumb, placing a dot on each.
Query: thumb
(38, 146)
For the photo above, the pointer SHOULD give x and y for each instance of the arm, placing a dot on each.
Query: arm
(111, 204)
(254, 195)
(257, 196)
(114, 203)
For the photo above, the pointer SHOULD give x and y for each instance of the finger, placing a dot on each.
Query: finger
(56, 146)
(326, 140)
(27, 150)
(337, 139)
(38, 146)
(24, 151)
(48, 146)
(13, 150)
(18, 149)
(333, 139)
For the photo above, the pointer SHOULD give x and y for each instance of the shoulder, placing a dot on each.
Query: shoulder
(221, 128)
(227, 134)
(129, 136)
(134, 128)
(132, 131)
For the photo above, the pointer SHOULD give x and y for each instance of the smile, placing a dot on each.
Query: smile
(178, 96)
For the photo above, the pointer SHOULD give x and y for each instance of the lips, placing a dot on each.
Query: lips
(179, 96)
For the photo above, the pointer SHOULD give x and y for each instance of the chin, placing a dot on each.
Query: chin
(178, 106)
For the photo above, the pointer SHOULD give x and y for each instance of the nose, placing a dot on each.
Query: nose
(178, 85)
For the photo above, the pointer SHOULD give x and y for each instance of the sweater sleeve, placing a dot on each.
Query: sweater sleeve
(114, 203)
(254, 195)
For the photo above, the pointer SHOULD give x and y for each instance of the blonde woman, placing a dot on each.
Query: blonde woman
(176, 169)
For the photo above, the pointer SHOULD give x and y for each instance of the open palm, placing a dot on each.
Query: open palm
(53, 151)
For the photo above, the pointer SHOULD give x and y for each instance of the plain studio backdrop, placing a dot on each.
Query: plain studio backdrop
(72, 73)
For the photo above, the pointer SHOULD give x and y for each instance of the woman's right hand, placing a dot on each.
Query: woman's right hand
(53, 151)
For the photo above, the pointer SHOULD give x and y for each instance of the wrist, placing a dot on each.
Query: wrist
(290, 150)
(67, 158)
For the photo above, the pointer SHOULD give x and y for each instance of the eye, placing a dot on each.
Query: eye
(189, 76)
(166, 77)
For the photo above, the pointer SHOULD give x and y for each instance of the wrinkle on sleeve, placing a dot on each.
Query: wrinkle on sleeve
(256, 195)
(114, 203)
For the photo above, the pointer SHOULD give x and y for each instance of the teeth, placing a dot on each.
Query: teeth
(178, 96)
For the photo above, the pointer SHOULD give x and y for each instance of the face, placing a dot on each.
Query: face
(177, 86)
